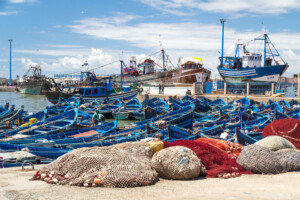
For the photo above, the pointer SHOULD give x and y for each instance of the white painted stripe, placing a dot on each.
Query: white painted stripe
(252, 70)
(252, 74)
(238, 72)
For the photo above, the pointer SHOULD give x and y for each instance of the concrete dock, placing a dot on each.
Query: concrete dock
(7, 88)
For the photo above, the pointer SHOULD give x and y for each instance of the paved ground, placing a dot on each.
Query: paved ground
(14, 184)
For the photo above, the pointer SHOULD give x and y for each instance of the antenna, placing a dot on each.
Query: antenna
(121, 56)
(263, 28)
(160, 42)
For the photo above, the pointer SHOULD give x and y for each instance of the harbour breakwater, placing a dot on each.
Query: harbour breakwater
(7, 88)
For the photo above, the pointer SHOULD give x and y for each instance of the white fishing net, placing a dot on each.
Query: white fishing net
(177, 163)
(121, 165)
(259, 159)
(275, 143)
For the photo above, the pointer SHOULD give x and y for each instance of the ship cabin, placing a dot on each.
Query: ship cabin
(102, 87)
(248, 60)
(92, 86)
(252, 60)
(147, 67)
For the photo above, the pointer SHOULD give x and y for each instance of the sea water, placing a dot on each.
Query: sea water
(36, 103)
(32, 103)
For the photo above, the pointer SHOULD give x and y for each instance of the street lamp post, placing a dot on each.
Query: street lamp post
(10, 40)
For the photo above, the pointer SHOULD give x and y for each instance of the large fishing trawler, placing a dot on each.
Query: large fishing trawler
(246, 66)
(33, 82)
(191, 70)
(147, 72)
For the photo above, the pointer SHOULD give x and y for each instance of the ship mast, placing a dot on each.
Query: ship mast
(222, 22)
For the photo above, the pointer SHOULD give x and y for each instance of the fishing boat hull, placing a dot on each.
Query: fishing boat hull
(186, 78)
(154, 79)
(34, 87)
(54, 96)
(253, 74)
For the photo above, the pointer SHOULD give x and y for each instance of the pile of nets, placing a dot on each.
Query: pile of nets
(217, 162)
(275, 143)
(260, 159)
(229, 147)
(178, 162)
(287, 128)
(289, 159)
(121, 165)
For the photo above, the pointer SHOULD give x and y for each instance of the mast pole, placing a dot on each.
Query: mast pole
(265, 49)
(121, 86)
(10, 40)
(163, 57)
(222, 22)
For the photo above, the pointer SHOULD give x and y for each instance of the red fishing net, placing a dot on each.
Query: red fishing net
(286, 128)
(216, 161)
(229, 147)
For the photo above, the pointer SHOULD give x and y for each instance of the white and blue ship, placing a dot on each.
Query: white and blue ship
(252, 67)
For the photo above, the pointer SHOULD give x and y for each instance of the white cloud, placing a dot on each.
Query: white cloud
(203, 40)
(70, 64)
(8, 13)
(23, 1)
(53, 52)
(231, 7)
(64, 46)
(28, 63)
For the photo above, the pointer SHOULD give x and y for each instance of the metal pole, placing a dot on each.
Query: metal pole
(121, 88)
(222, 22)
(10, 61)
(265, 50)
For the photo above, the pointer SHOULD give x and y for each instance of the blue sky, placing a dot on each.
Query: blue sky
(62, 34)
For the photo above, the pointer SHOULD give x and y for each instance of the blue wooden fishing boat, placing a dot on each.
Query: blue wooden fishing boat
(126, 111)
(80, 135)
(132, 134)
(40, 116)
(201, 106)
(271, 108)
(61, 122)
(175, 133)
(186, 109)
(38, 151)
(144, 113)
(13, 115)
(243, 138)
(106, 108)
(91, 88)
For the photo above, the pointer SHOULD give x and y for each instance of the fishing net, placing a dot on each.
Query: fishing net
(290, 160)
(259, 159)
(229, 147)
(18, 156)
(178, 163)
(287, 128)
(121, 165)
(217, 162)
(275, 143)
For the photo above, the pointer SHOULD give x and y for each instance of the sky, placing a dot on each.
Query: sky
(61, 35)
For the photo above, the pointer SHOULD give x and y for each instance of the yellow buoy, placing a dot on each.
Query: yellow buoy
(24, 125)
(156, 145)
(33, 120)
